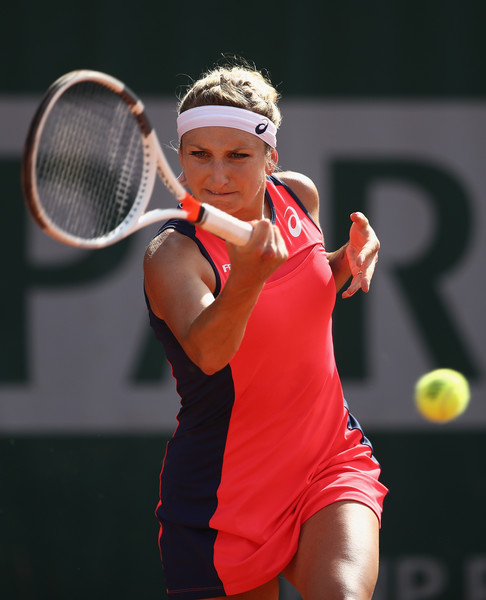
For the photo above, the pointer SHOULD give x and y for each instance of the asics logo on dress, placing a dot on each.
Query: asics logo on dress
(294, 224)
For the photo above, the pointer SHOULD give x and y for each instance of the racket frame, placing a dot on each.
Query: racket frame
(154, 163)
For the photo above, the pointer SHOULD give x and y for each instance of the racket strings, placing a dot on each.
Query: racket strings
(90, 161)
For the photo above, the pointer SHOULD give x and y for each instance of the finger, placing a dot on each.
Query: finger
(262, 231)
(365, 275)
(368, 264)
(353, 287)
(365, 280)
(262, 240)
(367, 256)
(359, 218)
(275, 246)
(361, 281)
(256, 240)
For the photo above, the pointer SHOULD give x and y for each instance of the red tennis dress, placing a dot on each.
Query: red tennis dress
(267, 441)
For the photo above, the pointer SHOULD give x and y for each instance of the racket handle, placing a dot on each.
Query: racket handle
(217, 221)
(224, 225)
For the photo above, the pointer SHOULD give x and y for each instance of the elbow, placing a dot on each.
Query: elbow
(210, 362)
(204, 359)
(210, 356)
(211, 370)
(210, 367)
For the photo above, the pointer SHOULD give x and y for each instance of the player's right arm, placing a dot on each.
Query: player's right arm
(179, 283)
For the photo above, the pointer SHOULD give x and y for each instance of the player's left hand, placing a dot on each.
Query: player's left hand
(362, 254)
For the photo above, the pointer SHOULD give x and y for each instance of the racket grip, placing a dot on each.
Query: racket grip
(217, 221)
(224, 225)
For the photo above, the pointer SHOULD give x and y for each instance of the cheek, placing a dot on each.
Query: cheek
(257, 186)
(192, 174)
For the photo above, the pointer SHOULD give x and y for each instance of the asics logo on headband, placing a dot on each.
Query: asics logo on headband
(228, 116)
(260, 129)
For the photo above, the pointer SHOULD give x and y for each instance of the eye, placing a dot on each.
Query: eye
(198, 153)
(239, 155)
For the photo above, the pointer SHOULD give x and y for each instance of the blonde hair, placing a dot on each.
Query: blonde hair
(241, 86)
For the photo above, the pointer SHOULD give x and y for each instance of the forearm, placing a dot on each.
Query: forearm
(216, 333)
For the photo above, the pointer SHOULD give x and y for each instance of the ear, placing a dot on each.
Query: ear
(272, 162)
(182, 179)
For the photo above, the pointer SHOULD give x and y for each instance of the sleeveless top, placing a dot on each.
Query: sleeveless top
(252, 437)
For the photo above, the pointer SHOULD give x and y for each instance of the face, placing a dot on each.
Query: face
(226, 168)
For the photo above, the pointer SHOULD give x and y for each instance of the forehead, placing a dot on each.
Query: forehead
(222, 137)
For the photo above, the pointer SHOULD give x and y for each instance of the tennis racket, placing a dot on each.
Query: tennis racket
(90, 163)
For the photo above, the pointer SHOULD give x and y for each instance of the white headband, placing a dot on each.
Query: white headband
(228, 116)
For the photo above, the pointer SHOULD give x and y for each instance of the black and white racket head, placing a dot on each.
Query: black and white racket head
(90, 160)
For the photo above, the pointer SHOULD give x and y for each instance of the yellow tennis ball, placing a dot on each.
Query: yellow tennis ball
(442, 395)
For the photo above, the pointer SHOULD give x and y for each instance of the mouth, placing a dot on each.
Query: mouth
(211, 193)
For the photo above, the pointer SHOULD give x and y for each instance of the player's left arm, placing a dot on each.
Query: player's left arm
(358, 257)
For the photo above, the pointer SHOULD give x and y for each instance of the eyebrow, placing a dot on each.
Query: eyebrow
(227, 149)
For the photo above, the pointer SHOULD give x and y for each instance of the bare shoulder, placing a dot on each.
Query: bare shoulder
(292, 178)
(305, 189)
(167, 245)
(172, 263)
(163, 249)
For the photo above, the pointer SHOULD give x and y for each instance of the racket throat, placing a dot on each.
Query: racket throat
(194, 209)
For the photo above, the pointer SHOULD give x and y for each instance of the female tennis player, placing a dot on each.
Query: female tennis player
(267, 473)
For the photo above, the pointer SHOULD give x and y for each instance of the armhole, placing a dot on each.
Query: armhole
(189, 230)
(278, 182)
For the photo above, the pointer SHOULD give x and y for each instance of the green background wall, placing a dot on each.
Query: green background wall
(350, 48)
(77, 516)
(76, 509)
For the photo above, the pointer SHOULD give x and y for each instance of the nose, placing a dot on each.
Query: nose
(219, 173)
